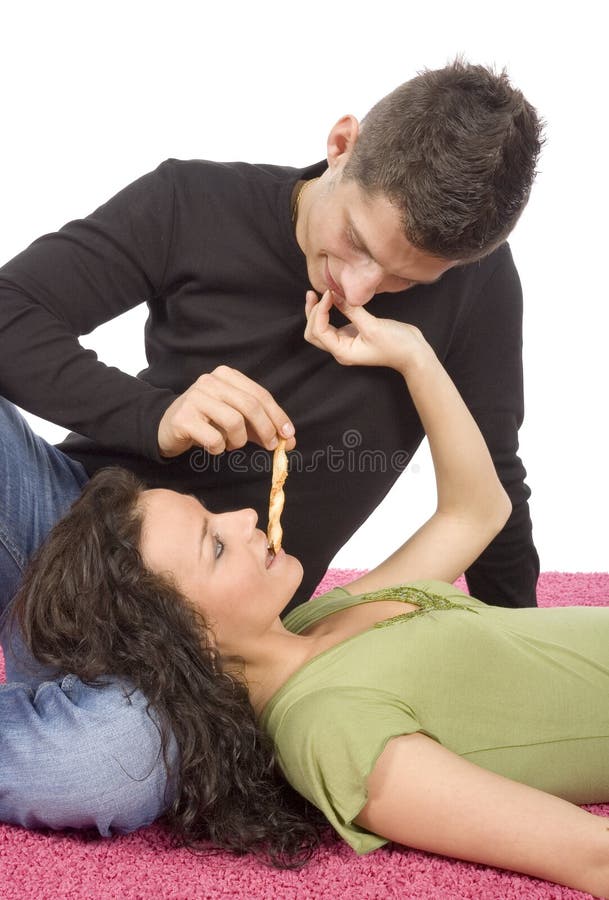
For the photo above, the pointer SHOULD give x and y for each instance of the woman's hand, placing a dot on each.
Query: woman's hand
(366, 341)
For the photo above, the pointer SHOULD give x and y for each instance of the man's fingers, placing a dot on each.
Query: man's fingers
(263, 416)
(221, 411)
(228, 423)
(192, 430)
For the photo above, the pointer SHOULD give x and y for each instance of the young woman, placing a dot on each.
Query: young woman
(397, 705)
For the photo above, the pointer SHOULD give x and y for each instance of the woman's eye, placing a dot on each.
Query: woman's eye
(219, 547)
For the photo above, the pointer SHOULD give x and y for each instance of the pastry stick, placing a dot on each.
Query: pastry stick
(280, 473)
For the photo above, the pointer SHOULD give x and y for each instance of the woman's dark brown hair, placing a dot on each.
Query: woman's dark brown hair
(88, 605)
(455, 151)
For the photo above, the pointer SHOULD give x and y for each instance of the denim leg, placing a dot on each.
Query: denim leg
(77, 756)
(71, 755)
(38, 483)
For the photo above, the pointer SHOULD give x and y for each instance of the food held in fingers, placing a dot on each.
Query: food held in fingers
(277, 498)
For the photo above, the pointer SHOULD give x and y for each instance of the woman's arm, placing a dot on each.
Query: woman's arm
(424, 796)
(472, 505)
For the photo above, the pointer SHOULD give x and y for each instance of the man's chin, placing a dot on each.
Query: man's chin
(316, 278)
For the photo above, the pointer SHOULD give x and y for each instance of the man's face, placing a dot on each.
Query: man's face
(355, 246)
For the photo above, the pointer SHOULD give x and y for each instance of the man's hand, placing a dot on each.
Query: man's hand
(221, 411)
(366, 340)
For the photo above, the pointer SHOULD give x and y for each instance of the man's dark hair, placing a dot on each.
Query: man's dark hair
(454, 150)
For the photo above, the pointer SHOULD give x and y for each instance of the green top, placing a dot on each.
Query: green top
(521, 692)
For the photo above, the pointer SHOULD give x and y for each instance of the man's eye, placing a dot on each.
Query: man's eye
(352, 241)
(218, 547)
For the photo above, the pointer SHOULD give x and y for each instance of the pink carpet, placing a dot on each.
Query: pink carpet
(142, 865)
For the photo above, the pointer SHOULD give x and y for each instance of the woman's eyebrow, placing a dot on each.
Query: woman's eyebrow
(204, 529)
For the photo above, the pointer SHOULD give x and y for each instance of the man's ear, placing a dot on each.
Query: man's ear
(341, 141)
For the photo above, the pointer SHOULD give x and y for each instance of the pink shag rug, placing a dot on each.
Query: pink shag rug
(58, 866)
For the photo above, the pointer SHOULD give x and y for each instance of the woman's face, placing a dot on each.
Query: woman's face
(220, 563)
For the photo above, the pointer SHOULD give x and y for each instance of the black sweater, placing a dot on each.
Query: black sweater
(211, 249)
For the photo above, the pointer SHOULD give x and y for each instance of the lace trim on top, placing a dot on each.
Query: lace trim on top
(426, 600)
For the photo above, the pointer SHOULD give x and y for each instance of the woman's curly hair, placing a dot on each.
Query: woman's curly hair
(88, 605)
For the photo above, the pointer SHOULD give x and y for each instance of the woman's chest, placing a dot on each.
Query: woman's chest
(346, 623)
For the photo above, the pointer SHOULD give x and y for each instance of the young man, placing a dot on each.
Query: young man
(409, 214)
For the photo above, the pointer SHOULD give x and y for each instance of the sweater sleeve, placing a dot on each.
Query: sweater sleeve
(65, 285)
(486, 366)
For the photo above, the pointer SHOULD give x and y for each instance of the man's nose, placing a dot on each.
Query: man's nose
(361, 283)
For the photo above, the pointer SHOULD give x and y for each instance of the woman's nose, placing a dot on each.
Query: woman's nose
(241, 522)
(251, 520)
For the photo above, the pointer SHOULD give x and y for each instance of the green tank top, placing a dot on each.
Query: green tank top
(521, 692)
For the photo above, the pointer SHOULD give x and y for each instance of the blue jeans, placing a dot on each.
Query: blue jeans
(71, 756)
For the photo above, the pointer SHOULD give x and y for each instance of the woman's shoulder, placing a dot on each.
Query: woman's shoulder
(340, 597)
(304, 614)
(443, 588)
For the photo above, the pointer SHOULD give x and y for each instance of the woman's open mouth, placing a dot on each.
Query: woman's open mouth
(272, 557)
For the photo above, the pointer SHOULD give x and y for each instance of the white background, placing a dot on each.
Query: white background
(96, 94)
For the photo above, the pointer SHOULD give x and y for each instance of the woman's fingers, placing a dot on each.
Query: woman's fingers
(359, 315)
(311, 299)
(365, 340)
(318, 315)
(325, 336)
